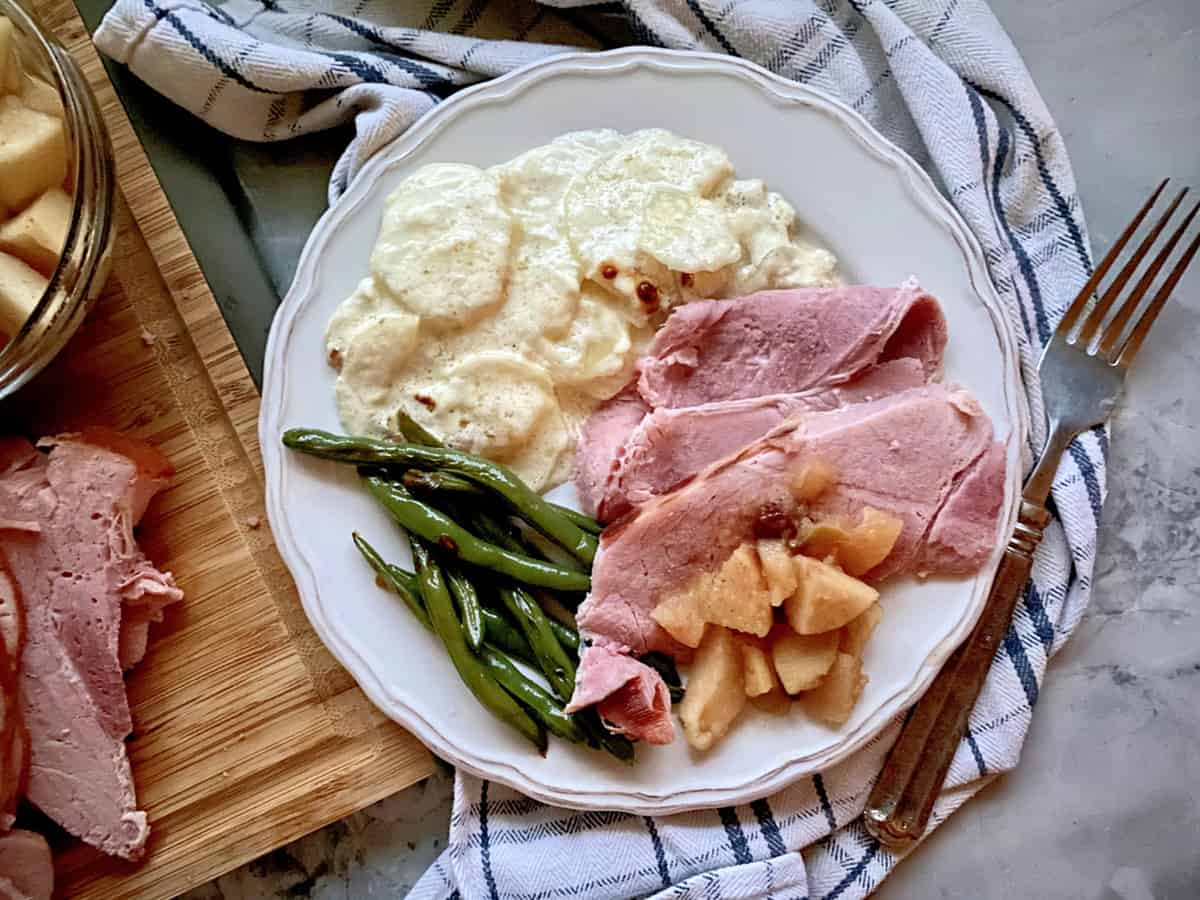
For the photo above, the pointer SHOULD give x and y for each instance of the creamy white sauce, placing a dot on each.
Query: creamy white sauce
(503, 304)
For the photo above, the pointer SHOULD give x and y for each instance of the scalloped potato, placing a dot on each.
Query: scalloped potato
(564, 258)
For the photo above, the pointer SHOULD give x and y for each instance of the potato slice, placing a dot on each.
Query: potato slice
(811, 479)
(833, 699)
(679, 616)
(826, 599)
(858, 631)
(37, 234)
(777, 569)
(716, 693)
(33, 153)
(801, 660)
(856, 548)
(757, 669)
(776, 702)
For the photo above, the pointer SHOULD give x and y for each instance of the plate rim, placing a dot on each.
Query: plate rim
(783, 93)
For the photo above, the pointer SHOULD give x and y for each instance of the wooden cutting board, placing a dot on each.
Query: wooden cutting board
(247, 734)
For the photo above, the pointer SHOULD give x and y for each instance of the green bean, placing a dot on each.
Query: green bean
(426, 522)
(414, 433)
(468, 606)
(439, 481)
(474, 673)
(503, 635)
(616, 745)
(567, 636)
(496, 531)
(551, 657)
(541, 705)
(497, 630)
(525, 502)
(408, 591)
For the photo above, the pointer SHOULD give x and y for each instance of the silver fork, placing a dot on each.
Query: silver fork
(1082, 371)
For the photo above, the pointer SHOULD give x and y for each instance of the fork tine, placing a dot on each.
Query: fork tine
(1100, 310)
(1129, 351)
(1112, 334)
(1077, 306)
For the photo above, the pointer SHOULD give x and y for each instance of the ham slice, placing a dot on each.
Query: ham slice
(26, 871)
(721, 373)
(14, 742)
(78, 574)
(926, 455)
(670, 445)
(778, 342)
(629, 695)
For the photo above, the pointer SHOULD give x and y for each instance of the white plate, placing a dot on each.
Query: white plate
(859, 195)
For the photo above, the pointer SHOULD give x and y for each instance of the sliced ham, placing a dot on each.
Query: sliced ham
(778, 342)
(26, 870)
(600, 453)
(787, 350)
(77, 575)
(670, 445)
(629, 695)
(926, 455)
(14, 742)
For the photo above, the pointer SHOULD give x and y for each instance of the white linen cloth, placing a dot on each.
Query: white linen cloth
(942, 80)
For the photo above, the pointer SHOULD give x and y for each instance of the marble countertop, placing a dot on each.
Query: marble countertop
(1106, 801)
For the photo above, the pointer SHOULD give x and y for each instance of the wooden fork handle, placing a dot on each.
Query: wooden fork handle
(899, 806)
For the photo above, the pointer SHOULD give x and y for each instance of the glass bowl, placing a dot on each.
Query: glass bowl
(86, 255)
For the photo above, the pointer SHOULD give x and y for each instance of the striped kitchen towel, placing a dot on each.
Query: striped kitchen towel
(942, 80)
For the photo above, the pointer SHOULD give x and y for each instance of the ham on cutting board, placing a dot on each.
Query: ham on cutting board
(89, 594)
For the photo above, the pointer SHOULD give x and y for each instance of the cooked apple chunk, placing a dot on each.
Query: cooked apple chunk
(777, 569)
(776, 702)
(856, 548)
(735, 596)
(826, 598)
(801, 660)
(833, 699)
(858, 631)
(758, 672)
(811, 479)
(716, 693)
(679, 616)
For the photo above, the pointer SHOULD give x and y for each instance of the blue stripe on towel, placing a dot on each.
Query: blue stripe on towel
(857, 870)
(427, 77)
(1037, 614)
(974, 745)
(711, 27)
(737, 837)
(1060, 203)
(660, 857)
(826, 808)
(1016, 652)
(769, 827)
(485, 852)
(203, 49)
(1027, 273)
